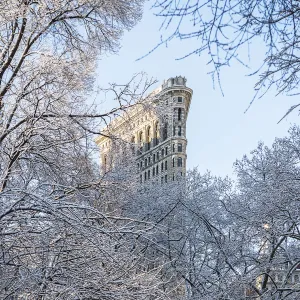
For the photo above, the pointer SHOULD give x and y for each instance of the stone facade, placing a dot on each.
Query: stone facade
(153, 133)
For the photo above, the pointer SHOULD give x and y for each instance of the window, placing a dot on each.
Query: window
(179, 114)
(145, 162)
(157, 155)
(179, 147)
(173, 177)
(156, 134)
(166, 178)
(141, 178)
(148, 174)
(173, 162)
(105, 163)
(162, 180)
(166, 151)
(138, 166)
(179, 130)
(162, 166)
(145, 176)
(180, 99)
(173, 147)
(162, 152)
(166, 165)
(296, 278)
(133, 144)
(153, 172)
(149, 160)
(141, 164)
(165, 130)
(157, 170)
(148, 138)
(154, 158)
(174, 130)
(141, 137)
(179, 162)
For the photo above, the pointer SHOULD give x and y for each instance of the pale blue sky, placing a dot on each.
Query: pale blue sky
(218, 131)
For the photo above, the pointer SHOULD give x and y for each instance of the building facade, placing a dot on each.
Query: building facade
(151, 135)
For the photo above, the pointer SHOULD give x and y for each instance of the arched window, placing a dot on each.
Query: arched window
(179, 162)
(141, 138)
(162, 152)
(179, 147)
(154, 158)
(179, 130)
(153, 172)
(148, 138)
(179, 114)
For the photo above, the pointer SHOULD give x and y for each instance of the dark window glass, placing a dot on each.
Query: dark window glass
(162, 180)
(173, 162)
(173, 147)
(157, 170)
(141, 164)
(157, 155)
(179, 162)
(145, 176)
(179, 147)
(162, 166)
(166, 150)
(148, 174)
(165, 131)
(141, 178)
(173, 178)
(180, 99)
(179, 114)
(174, 130)
(162, 152)
(179, 130)
(138, 165)
(154, 158)
(145, 162)
(153, 172)
(166, 165)
(166, 178)
(149, 160)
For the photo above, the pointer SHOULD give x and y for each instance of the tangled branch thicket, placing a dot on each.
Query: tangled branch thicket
(226, 30)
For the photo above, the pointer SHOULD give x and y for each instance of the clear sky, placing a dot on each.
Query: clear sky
(218, 130)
